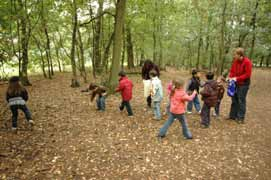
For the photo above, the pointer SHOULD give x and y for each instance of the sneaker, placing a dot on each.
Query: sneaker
(240, 121)
(199, 112)
(31, 122)
(230, 119)
(188, 138)
(130, 116)
(204, 126)
(188, 112)
(14, 129)
(160, 137)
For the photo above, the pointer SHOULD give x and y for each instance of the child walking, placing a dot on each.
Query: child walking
(178, 98)
(156, 94)
(193, 84)
(125, 87)
(16, 97)
(209, 97)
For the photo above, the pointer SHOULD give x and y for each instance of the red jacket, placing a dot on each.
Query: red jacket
(241, 70)
(125, 87)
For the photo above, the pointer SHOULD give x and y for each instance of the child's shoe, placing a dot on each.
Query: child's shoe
(31, 122)
(14, 129)
(188, 112)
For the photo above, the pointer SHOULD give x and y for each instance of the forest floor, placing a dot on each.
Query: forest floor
(71, 140)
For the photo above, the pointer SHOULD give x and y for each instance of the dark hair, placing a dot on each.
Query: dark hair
(194, 71)
(153, 73)
(122, 73)
(210, 75)
(14, 87)
(92, 86)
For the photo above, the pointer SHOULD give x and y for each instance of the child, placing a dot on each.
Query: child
(101, 92)
(156, 94)
(125, 87)
(16, 97)
(209, 97)
(178, 97)
(169, 89)
(193, 84)
(221, 89)
(147, 67)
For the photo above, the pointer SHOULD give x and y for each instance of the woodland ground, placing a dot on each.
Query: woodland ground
(71, 140)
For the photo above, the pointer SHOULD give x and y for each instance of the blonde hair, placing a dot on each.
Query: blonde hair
(177, 83)
(240, 51)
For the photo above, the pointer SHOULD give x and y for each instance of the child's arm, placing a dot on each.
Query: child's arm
(25, 95)
(186, 97)
(120, 87)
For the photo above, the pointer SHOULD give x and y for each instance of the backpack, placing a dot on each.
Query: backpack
(231, 88)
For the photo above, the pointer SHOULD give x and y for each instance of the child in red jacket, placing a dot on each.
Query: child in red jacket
(125, 87)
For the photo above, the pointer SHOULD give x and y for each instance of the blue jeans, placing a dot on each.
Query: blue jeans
(182, 120)
(128, 107)
(14, 110)
(196, 103)
(101, 103)
(156, 110)
(238, 105)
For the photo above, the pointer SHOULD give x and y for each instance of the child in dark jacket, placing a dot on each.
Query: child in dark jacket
(16, 97)
(101, 92)
(221, 90)
(193, 84)
(209, 97)
(125, 87)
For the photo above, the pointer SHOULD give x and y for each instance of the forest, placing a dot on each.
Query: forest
(90, 38)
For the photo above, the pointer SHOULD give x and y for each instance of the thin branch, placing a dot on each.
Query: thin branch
(96, 17)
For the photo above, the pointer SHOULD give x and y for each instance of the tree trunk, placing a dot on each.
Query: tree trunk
(24, 44)
(198, 51)
(221, 57)
(261, 62)
(97, 38)
(130, 51)
(123, 48)
(106, 52)
(82, 58)
(75, 82)
(119, 21)
(253, 22)
(268, 58)
(41, 56)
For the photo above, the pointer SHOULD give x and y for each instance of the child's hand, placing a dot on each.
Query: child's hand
(195, 92)
(104, 94)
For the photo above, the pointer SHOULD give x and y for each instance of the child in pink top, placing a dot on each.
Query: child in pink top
(178, 97)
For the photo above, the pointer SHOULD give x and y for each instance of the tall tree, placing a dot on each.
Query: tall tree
(117, 44)
(75, 82)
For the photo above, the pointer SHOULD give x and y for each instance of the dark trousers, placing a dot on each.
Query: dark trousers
(149, 101)
(128, 107)
(205, 115)
(14, 110)
(217, 107)
(238, 105)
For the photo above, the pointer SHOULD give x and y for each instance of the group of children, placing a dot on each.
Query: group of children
(212, 93)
